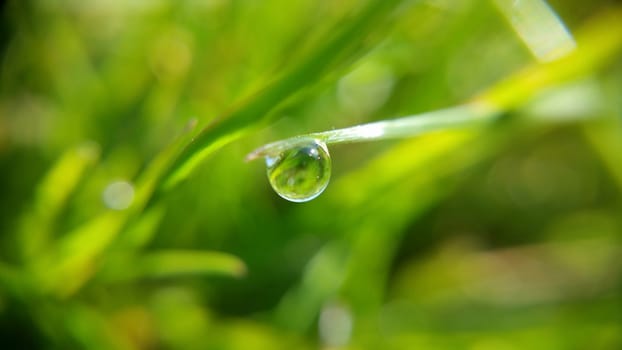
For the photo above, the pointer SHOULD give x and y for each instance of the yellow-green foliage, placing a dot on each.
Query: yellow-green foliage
(129, 219)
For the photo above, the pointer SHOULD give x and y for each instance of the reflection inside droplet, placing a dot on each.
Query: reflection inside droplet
(301, 173)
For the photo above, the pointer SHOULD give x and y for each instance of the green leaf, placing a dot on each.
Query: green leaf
(51, 196)
(177, 263)
(78, 253)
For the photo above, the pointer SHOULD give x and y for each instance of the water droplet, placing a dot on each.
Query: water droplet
(302, 172)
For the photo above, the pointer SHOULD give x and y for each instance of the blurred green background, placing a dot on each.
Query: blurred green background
(504, 237)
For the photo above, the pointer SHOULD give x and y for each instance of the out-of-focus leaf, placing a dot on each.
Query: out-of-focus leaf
(51, 196)
(66, 268)
(91, 329)
(128, 267)
(167, 264)
(79, 253)
(598, 42)
(140, 232)
(538, 27)
(323, 277)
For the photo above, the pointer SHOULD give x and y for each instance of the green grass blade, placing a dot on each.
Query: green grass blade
(51, 196)
(597, 44)
(535, 22)
(79, 252)
(168, 264)
(342, 47)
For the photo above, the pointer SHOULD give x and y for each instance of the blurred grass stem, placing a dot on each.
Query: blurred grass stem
(542, 31)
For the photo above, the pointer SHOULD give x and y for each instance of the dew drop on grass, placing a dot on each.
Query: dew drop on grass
(300, 173)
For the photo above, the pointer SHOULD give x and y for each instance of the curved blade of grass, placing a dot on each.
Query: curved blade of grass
(343, 46)
(51, 196)
(79, 252)
(176, 263)
(598, 43)
(142, 229)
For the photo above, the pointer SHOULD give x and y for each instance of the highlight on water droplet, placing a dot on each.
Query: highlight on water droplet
(118, 195)
(301, 172)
